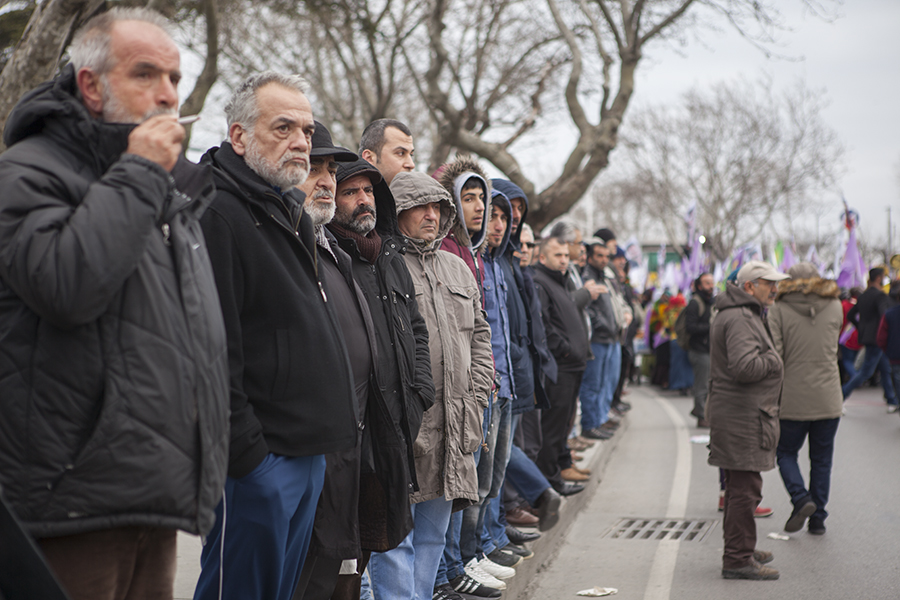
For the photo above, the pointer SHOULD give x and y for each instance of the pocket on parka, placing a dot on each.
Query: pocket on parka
(473, 422)
(463, 306)
(768, 435)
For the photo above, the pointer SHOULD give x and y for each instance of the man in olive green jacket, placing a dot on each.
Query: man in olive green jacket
(742, 408)
(806, 324)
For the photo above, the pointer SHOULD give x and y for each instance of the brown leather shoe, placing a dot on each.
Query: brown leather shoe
(585, 472)
(572, 474)
(584, 441)
(753, 571)
(575, 456)
(521, 518)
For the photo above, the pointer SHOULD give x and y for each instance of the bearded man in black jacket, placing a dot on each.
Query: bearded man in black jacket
(113, 365)
(292, 396)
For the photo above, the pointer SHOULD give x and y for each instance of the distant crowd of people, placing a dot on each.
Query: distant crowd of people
(329, 365)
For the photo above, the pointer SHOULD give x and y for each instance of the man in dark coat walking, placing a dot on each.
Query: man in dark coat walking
(113, 366)
(866, 315)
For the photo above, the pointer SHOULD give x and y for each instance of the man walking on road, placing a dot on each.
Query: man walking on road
(806, 324)
(866, 315)
(746, 374)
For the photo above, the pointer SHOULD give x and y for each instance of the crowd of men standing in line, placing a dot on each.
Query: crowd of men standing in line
(322, 361)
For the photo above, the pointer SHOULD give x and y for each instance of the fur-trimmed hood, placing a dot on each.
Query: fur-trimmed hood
(814, 285)
(808, 297)
(453, 175)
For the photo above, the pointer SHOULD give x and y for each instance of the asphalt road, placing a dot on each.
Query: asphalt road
(656, 471)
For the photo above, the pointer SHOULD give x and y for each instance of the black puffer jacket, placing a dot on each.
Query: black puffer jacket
(402, 375)
(291, 384)
(113, 365)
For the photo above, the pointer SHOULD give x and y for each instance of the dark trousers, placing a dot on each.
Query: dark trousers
(743, 493)
(123, 563)
(321, 579)
(266, 522)
(874, 359)
(556, 424)
(821, 449)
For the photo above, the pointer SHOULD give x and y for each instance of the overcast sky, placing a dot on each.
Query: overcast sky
(855, 59)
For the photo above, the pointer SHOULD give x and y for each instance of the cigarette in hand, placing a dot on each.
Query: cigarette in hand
(188, 120)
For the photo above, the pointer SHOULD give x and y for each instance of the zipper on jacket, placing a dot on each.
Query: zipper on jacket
(166, 233)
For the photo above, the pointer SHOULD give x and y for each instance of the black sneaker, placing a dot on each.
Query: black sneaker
(505, 559)
(468, 587)
(445, 592)
(817, 526)
(516, 549)
(597, 434)
(804, 509)
(517, 536)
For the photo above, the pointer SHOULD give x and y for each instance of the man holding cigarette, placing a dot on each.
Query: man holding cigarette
(113, 364)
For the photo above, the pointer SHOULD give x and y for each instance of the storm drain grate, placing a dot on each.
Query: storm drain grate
(685, 530)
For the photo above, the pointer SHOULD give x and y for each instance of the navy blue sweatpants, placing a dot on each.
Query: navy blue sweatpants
(266, 521)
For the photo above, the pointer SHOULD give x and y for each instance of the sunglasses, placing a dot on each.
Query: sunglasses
(529, 245)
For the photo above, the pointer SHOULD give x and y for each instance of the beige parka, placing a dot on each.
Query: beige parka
(806, 323)
(459, 338)
(745, 378)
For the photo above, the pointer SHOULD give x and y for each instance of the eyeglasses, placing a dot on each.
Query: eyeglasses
(528, 245)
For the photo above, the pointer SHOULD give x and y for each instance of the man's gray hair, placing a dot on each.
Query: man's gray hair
(565, 232)
(91, 45)
(243, 107)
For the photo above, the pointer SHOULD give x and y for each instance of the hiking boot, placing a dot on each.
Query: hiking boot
(763, 556)
(754, 571)
(804, 509)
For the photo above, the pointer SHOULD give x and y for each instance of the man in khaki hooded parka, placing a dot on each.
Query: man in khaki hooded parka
(806, 324)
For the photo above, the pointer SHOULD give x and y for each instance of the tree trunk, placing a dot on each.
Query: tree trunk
(37, 54)
(197, 98)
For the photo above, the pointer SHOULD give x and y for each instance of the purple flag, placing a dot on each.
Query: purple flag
(851, 274)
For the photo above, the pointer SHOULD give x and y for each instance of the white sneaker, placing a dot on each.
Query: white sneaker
(473, 569)
(498, 571)
(892, 408)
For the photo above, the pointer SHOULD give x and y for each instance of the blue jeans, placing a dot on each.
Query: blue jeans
(498, 474)
(266, 520)
(601, 376)
(493, 535)
(874, 359)
(408, 571)
(525, 476)
(848, 359)
(821, 448)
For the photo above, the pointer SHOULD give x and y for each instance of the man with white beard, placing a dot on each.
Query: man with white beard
(292, 388)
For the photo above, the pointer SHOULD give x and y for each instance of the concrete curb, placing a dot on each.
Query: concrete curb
(522, 586)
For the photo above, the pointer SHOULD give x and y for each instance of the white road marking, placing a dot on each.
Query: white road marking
(659, 584)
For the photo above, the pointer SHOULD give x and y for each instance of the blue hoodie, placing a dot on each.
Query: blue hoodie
(495, 301)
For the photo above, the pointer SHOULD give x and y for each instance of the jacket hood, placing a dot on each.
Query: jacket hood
(411, 189)
(512, 191)
(54, 105)
(453, 175)
(385, 207)
(808, 297)
(500, 200)
(735, 297)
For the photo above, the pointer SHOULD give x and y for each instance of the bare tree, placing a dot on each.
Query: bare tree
(37, 54)
(749, 159)
(604, 44)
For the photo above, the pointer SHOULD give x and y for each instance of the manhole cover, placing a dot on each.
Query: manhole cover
(685, 530)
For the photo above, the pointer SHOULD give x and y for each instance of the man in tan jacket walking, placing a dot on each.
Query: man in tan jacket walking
(746, 374)
(806, 324)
